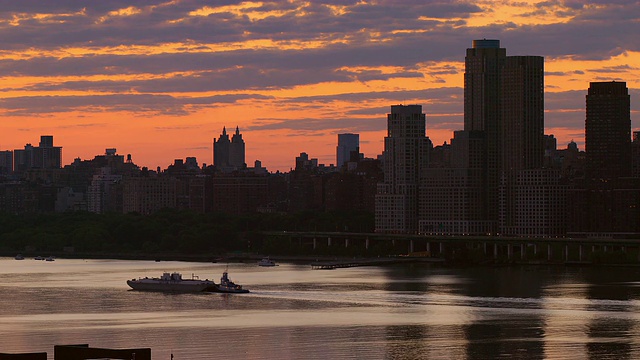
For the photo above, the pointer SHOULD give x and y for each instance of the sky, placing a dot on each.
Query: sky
(159, 79)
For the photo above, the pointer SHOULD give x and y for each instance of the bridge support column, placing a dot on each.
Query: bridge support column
(314, 244)
(580, 252)
(429, 247)
(366, 243)
(346, 243)
(329, 241)
(522, 250)
(535, 249)
(566, 252)
(549, 252)
(495, 250)
(509, 251)
(441, 248)
(485, 248)
(411, 246)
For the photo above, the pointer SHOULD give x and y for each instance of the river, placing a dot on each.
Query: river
(408, 311)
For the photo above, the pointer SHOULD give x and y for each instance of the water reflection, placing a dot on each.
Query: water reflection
(398, 312)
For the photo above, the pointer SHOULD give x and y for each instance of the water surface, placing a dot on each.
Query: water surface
(293, 312)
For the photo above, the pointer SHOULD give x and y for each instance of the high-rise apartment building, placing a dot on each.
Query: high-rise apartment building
(236, 151)
(452, 199)
(229, 154)
(522, 113)
(47, 156)
(405, 157)
(606, 201)
(504, 103)
(102, 194)
(221, 150)
(347, 144)
(44, 156)
(6, 162)
(635, 155)
(608, 131)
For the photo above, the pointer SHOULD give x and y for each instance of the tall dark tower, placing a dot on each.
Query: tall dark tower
(236, 151)
(483, 67)
(221, 150)
(523, 113)
(504, 105)
(608, 131)
(482, 112)
(406, 149)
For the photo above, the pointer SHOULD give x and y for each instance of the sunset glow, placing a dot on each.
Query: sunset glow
(159, 79)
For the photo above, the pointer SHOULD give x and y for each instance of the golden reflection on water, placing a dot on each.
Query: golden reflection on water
(404, 312)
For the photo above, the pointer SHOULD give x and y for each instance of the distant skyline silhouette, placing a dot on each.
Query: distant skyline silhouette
(159, 79)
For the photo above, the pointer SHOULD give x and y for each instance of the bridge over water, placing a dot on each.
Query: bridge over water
(566, 249)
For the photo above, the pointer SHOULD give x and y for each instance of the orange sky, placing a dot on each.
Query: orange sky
(159, 79)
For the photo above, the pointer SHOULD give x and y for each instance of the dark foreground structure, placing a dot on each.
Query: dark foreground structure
(30, 356)
(83, 352)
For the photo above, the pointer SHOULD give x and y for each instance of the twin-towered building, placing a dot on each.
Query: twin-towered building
(228, 154)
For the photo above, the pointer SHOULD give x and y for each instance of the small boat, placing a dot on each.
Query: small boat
(266, 262)
(172, 282)
(50, 258)
(38, 258)
(19, 257)
(228, 286)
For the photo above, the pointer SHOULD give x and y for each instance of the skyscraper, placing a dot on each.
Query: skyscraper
(228, 155)
(405, 157)
(236, 151)
(608, 130)
(347, 143)
(635, 154)
(221, 150)
(45, 156)
(607, 200)
(504, 103)
(6, 162)
(522, 113)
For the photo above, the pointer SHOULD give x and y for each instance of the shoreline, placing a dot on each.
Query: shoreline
(311, 260)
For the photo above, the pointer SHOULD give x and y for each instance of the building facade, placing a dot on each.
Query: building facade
(44, 156)
(6, 162)
(504, 104)
(608, 130)
(347, 144)
(405, 158)
(104, 193)
(229, 154)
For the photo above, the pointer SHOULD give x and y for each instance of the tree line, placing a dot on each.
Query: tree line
(168, 231)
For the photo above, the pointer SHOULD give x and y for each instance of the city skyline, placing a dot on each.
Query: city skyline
(159, 79)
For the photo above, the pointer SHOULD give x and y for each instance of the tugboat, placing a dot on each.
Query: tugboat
(228, 286)
(171, 282)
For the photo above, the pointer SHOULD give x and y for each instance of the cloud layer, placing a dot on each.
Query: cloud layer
(304, 67)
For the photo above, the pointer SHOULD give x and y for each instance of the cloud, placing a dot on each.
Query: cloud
(152, 57)
(320, 125)
(144, 104)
